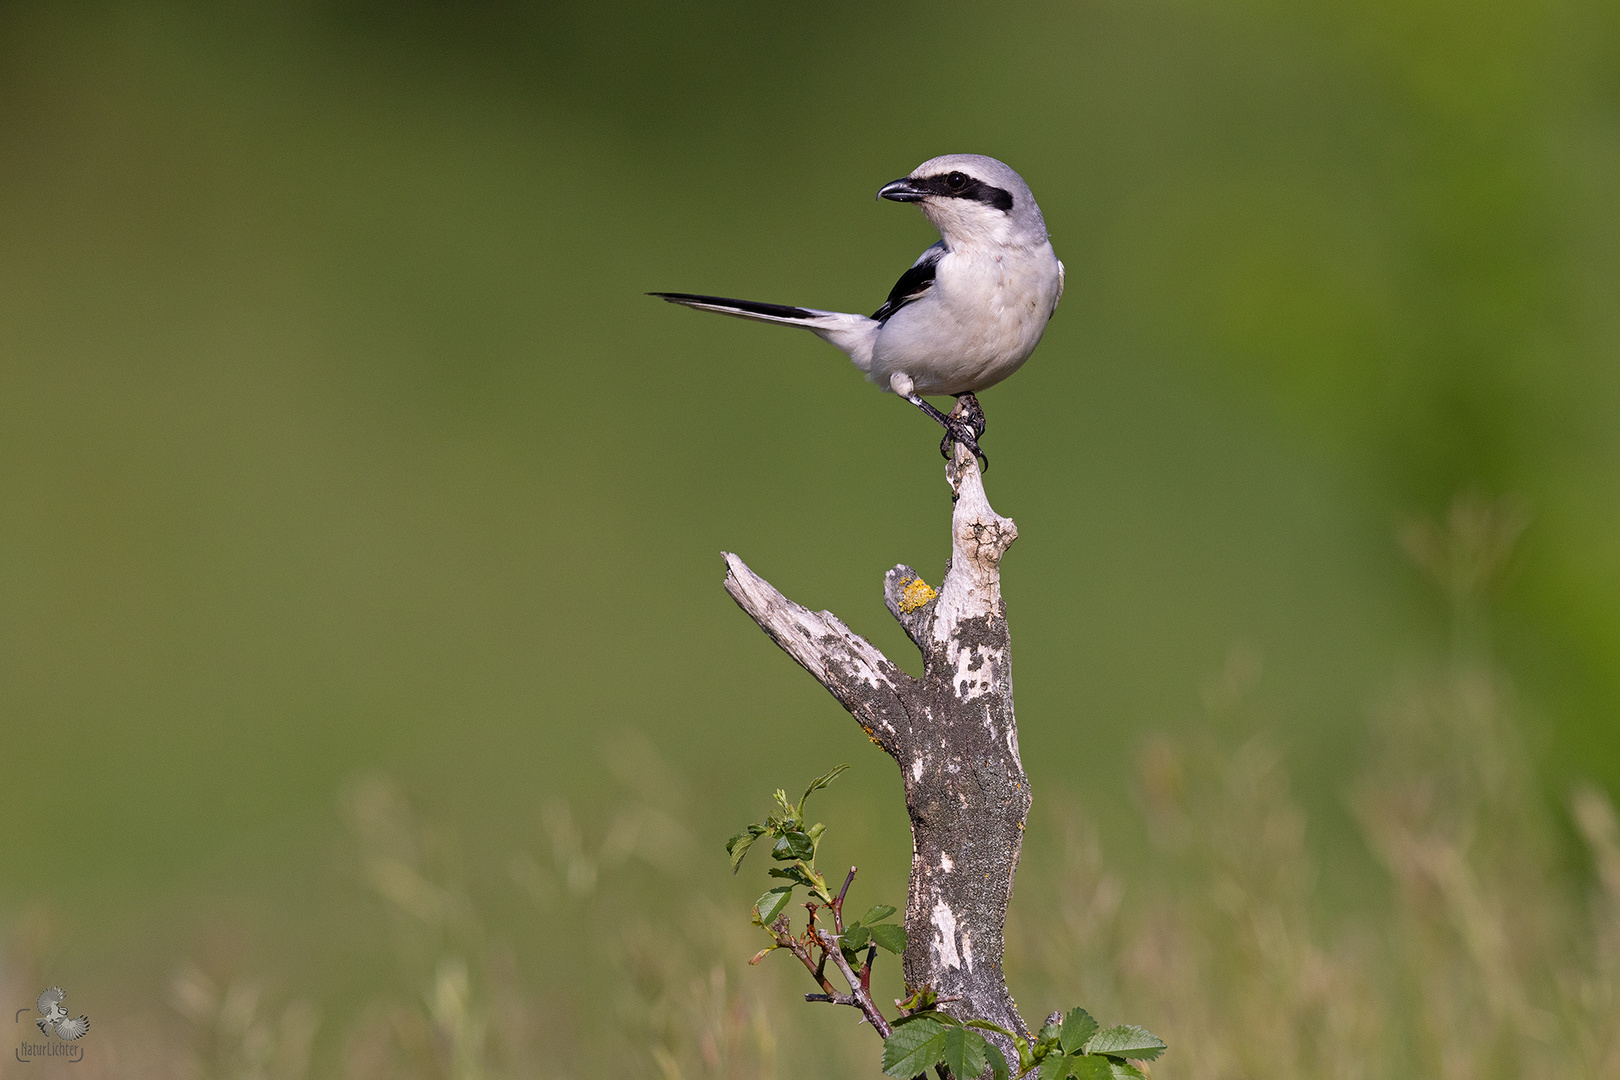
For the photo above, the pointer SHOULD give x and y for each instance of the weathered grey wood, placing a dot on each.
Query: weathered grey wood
(953, 734)
(863, 680)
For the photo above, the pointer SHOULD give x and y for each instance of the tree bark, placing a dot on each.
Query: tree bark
(953, 734)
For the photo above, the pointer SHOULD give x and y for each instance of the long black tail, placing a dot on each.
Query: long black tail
(743, 309)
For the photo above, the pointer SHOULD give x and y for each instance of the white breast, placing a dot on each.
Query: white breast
(976, 326)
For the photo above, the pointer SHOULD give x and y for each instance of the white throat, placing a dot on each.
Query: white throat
(965, 224)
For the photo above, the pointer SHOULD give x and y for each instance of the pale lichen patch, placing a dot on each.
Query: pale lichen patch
(1012, 748)
(945, 944)
(971, 669)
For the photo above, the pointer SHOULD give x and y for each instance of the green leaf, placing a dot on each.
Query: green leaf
(878, 913)
(814, 832)
(1091, 1067)
(956, 1053)
(889, 936)
(923, 997)
(998, 1061)
(1126, 1040)
(769, 906)
(1056, 1067)
(793, 845)
(1049, 1032)
(989, 1025)
(738, 845)
(796, 872)
(1078, 1026)
(820, 782)
(925, 1014)
(1124, 1070)
(856, 937)
(1026, 1059)
(964, 1053)
(914, 1048)
(820, 887)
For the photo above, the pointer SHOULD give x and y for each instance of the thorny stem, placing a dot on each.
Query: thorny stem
(810, 934)
(838, 924)
(797, 948)
(838, 904)
(860, 985)
(858, 995)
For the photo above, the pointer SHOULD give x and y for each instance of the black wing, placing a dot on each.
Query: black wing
(913, 284)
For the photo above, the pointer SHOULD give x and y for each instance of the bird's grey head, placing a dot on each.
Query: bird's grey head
(970, 199)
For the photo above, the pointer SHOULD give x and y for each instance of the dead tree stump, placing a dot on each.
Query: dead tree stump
(953, 734)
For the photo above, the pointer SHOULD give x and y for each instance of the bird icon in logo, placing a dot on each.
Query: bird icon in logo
(54, 1018)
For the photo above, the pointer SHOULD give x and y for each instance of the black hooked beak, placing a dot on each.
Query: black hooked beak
(904, 189)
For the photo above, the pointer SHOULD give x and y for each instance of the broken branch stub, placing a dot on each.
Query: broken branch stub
(953, 734)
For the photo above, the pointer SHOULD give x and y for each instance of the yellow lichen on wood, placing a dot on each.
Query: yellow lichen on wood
(916, 594)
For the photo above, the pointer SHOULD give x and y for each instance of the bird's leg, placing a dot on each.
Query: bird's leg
(963, 425)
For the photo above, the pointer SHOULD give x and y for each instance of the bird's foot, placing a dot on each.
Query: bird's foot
(964, 425)
(961, 431)
(969, 409)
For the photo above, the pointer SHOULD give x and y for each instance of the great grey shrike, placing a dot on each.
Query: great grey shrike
(969, 311)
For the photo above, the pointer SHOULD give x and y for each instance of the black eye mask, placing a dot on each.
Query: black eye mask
(956, 185)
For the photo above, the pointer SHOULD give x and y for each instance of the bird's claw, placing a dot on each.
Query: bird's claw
(972, 412)
(965, 425)
(958, 431)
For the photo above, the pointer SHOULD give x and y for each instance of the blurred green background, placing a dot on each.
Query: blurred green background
(339, 439)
